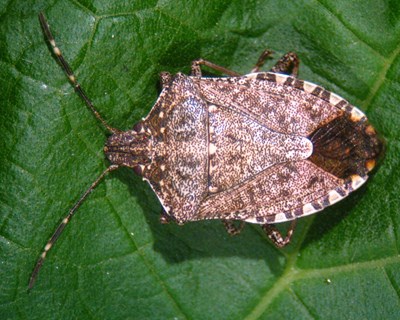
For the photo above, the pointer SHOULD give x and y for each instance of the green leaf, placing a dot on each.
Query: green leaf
(115, 260)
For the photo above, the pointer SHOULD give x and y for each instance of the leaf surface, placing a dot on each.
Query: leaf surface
(115, 260)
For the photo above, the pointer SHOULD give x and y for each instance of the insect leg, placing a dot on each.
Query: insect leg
(196, 68)
(68, 71)
(288, 64)
(165, 78)
(260, 62)
(64, 223)
(231, 228)
(164, 217)
(276, 237)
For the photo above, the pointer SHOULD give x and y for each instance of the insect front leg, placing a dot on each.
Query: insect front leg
(231, 228)
(165, 78)
(276, 237)
(196, 68)
(288, 64)
(164, 217)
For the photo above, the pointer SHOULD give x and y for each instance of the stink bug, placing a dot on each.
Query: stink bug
(262, 148)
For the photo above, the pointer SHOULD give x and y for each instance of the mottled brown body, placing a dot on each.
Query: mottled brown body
(261, 148)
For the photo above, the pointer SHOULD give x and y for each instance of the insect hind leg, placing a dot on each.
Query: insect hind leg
(276, 237)
(288, 64)
(231, 228)
(261, 60)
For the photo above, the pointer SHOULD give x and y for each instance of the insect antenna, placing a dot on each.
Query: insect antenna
(64, 223)
(68, 71)
(71, 77)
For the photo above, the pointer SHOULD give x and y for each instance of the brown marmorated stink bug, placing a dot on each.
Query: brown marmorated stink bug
(262, 148)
